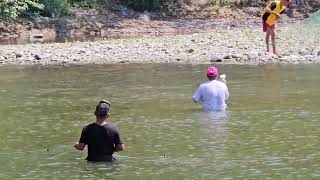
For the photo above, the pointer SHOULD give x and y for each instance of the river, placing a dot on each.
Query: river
(270, 130)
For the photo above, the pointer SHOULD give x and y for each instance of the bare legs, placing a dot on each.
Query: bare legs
(270, 32)
(267, 39)
(273, 40)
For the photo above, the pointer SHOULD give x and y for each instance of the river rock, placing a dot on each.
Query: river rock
(37, 36)
(227, 56)
(190, 50)
(230, 46)
(304, 52)
(124, 61)
(215, 58)
(236, 56)
(18, 54)
(82, 51)
(253, 55)
(308, 57)
(287, 53)
(37, 57)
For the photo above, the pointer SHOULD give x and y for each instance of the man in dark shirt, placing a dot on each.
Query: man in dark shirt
(101, 137)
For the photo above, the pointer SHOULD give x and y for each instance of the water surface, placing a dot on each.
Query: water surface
(270, 131)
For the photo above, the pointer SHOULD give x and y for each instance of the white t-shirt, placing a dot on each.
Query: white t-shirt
(213, 94)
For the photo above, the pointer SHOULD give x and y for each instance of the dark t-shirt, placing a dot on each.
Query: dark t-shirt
(101, 141)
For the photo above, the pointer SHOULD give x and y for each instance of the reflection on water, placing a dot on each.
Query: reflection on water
(270, 129)
(220, 116)
(214, 130)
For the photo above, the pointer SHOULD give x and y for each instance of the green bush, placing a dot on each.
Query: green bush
(86, 3)
(142, 5)
(11, 9)
(55, 8)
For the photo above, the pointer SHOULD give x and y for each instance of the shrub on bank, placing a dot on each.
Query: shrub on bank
(10, 9)
(142, 5)
(89, 3)
(56, 8)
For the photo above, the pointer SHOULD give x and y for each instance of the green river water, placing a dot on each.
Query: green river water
(270, 131)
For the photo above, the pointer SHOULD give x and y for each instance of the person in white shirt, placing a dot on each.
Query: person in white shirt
(212, 93)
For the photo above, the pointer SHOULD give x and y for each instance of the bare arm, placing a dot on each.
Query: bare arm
(119, 147)
(227, 95)
(197, 95)
(79, 146)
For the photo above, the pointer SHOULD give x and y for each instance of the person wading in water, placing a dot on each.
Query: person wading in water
(101, 137)
(213, 93)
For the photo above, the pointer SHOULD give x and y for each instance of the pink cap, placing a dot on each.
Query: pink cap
(212, 71)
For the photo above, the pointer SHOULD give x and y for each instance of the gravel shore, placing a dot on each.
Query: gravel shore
(296, 43)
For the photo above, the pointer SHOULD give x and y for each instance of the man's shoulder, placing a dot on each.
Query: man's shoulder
(210, 83)
(109, 126)
(205, 83)
(90, 125)
(221, 84)
(93, 127)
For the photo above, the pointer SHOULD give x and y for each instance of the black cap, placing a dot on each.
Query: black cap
(102, 108)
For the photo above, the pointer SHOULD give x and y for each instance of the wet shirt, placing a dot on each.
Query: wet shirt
(101, 141)
(213, 94)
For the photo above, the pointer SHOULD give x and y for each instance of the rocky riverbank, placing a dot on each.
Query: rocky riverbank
(224, 45)
(119, 21)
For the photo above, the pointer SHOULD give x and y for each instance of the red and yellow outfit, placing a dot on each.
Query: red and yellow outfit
(269, 19)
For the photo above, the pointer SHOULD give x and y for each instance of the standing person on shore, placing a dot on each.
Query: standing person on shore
(101, 137)
(270, 14)
(212, 93)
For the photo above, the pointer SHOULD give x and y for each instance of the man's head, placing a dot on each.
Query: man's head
(285, 2)
(102, 109)
(212, 72)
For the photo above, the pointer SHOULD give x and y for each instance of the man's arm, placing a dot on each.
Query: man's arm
(197, 95)
(227, 95)
(226, 92)
(79, 146)
(83, 140)
(119, 147)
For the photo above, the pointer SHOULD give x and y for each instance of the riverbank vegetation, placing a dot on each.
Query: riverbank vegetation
(12, 9)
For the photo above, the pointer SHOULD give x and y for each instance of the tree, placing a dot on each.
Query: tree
(13, 8)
